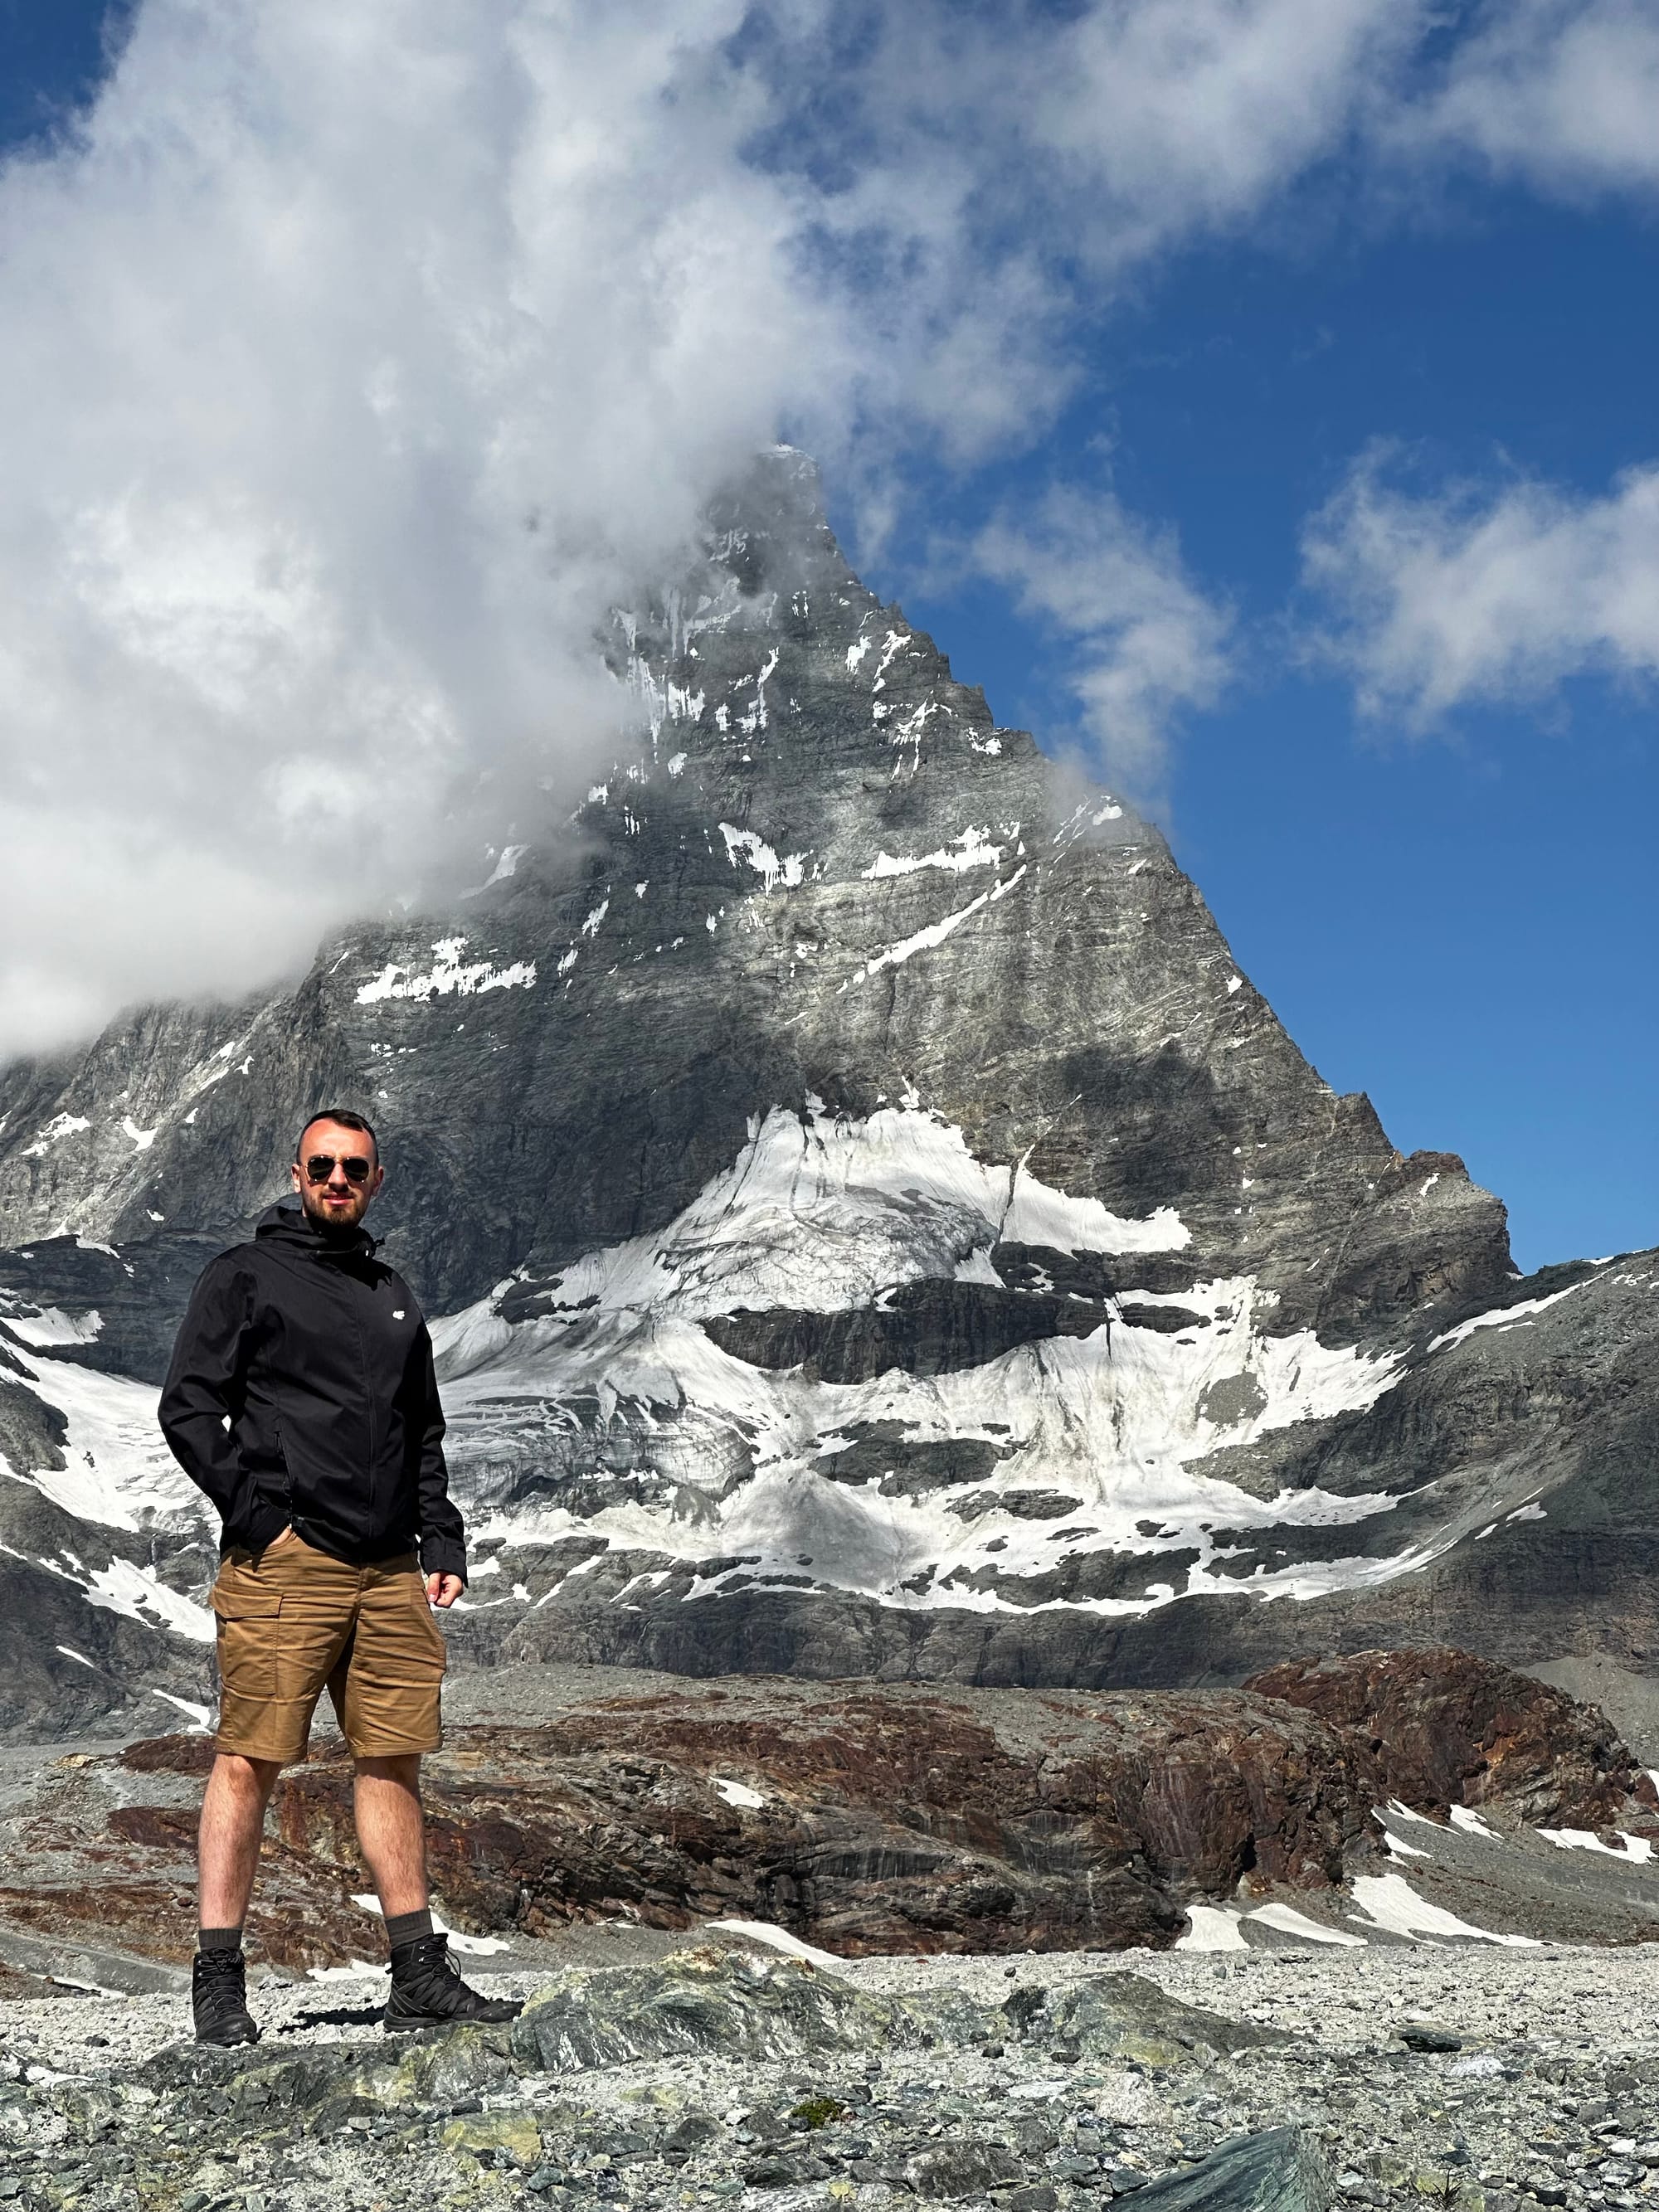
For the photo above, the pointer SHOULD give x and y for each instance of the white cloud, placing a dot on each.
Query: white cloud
(359, 352)
(357, 356)
(1437, 601)
(1143, 641)
(1191, 113)
(1562, 93)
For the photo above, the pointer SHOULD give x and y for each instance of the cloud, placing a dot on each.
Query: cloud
(1143, 641)
(357, 358)
(358, 353)
(1467, 596)
(1562, 93)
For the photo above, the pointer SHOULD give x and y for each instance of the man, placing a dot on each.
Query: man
(302, 1398)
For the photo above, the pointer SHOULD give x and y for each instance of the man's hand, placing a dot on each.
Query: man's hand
(442, 1591)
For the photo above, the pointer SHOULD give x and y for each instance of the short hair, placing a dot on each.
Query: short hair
(346, 1119)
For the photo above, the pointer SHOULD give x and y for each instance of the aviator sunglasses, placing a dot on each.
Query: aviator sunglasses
(321, 1165)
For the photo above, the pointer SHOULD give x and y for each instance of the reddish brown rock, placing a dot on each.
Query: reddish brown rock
(1447, 1729)
(862, 1817)
(890, 1819)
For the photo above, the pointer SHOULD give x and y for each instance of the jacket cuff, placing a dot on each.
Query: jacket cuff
(262, 1526)
(443, 1555)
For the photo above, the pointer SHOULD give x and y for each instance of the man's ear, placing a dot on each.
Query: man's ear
(294, 1177)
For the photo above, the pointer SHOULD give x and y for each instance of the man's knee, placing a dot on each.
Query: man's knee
(242, 1777)
(402, 1767)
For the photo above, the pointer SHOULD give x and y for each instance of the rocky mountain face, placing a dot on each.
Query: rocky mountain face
(871, 1224)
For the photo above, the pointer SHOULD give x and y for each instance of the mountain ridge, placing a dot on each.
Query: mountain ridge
(866, 1209)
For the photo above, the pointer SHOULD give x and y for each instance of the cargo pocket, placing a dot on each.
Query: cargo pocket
(247, 1639)
(431, 1643)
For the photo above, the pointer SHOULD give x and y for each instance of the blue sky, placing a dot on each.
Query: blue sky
(1354, 385)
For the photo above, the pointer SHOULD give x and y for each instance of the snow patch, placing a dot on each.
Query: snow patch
(200, 1716)
(970, 850)
(738, 1793)
(506, 864)
(833, 1214)
(447, 976)
(1289, 1921)
(1465, 1817)
(117, 1471)
(1388, 1901)
(1212, 1928)
(789, 871)
(780, 1939)
(50, 1325)
(925, 940)
(53, 1133)
(122, 1588)
(1514, 1317)
(1637, 1851)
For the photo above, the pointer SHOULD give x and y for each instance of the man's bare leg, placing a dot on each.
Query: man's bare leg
(392, 1832)
(227, 1858)
(427, 1990)
(228, 1842)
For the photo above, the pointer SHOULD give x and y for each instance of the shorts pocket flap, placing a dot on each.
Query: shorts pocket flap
(246, 1605)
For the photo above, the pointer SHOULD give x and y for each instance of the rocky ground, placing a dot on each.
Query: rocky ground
(718, 2073)
(1373, 1931)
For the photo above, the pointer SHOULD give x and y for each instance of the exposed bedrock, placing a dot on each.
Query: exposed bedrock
(862, 1819)
(1450, 1730)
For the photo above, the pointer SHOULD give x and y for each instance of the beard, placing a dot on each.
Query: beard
(333, 1222)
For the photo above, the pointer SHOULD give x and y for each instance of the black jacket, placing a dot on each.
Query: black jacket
(317, 1355)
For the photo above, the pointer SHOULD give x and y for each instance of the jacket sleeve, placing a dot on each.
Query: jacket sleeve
(202, 1392)
(443, 1537)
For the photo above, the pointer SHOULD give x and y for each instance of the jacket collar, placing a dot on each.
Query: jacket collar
(294, 1228)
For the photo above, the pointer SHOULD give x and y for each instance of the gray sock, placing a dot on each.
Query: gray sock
(218, 1939)
(402, 1927)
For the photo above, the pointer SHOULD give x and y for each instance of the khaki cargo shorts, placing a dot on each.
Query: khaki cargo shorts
(293, 1622)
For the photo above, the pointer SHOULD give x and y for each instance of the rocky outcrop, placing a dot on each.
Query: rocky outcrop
(861, 1820)
(1447, 1729)
(867, 1821)
(1284, 2170)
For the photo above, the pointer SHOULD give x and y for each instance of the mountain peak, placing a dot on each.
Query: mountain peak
(846, 1163)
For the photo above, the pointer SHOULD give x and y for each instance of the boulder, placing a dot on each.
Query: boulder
(1282, 2171)
(708, 2000)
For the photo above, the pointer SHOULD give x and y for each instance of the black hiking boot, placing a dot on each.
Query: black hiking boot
(218, 1997)
(428, 1991)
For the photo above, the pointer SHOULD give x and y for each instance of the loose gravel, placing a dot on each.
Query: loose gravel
(1546, 2092)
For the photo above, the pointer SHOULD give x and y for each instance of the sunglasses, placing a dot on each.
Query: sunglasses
(321, 1165)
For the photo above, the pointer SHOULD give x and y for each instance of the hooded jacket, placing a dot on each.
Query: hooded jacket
(302, 1393)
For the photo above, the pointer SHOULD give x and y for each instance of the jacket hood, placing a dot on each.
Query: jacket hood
(293, 1226)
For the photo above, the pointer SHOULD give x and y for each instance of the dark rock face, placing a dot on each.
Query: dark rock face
(1450, 1730)
(848, 1118)
(863, 1823)
(868, 1822)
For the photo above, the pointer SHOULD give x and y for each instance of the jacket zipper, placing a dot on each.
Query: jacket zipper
(368, 1392)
